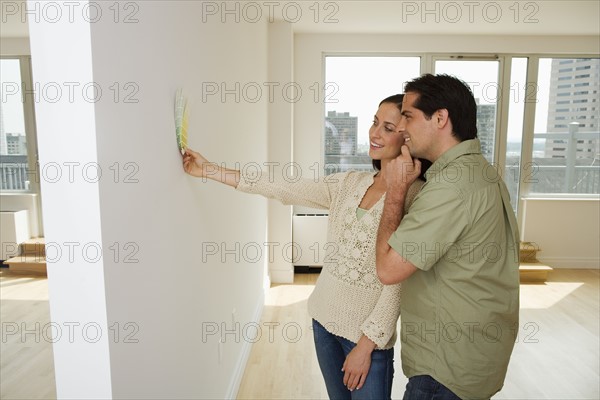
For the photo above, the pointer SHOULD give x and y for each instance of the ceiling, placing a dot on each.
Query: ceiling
(545, 17)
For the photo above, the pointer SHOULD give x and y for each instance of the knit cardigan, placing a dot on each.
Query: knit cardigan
(348, 299)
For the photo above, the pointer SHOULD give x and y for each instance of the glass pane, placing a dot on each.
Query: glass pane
(13, 143)
(566, 139)
(482, 77)
(516, 109)
(354, 88)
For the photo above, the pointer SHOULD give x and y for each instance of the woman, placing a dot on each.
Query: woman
(354, 315)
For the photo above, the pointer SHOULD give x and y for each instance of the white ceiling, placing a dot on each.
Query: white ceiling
(504, 17)
(500, 17)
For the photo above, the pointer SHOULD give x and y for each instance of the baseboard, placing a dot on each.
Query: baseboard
(238, 374)
(570, 262)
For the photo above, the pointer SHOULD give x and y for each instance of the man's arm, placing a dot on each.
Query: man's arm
(391, 266)
(400, 174)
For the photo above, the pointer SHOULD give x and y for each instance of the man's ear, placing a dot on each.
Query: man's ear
(441, 117)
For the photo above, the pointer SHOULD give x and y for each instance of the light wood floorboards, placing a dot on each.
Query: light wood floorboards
(26, 360)
(557, 354)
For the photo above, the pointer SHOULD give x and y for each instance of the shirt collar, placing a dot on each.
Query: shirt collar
(472, 146)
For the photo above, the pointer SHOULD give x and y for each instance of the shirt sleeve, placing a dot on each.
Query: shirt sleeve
(300, 192)
(434, 222)
(381, 323)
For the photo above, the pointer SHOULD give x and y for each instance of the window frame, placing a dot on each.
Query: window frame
(529, 128)
(504, 75)
(500, 143)
(28, 100)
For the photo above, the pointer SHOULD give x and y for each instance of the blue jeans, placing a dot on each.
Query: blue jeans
(424, 387)
(331, 353)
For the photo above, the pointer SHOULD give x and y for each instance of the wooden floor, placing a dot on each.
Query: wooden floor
(26, 361)
(557, 354)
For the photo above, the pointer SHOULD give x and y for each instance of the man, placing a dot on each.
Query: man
(456, 250)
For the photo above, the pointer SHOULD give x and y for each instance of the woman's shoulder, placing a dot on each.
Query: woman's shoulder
(348, 176)
(358, 175)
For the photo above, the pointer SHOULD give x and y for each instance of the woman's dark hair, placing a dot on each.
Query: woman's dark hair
(437, 92)
(397, 100)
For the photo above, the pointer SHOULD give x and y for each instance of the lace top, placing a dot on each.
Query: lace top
(348, 299)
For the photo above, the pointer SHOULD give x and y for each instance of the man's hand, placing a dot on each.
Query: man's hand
(402, 171)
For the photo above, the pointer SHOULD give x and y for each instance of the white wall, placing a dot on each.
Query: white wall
(281, 116)
(566, 231)
(186, 236)
(23, 201)
(67, 134)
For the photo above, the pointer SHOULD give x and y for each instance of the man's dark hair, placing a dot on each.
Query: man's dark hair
(436, 92)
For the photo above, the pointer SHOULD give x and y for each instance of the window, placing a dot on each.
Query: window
(17, 137)
(482, 77)
(563, 150)
(514, 138)
(572, 167)
(349, 113)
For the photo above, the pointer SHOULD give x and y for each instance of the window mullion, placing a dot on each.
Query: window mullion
(527, 167)
(504, 75)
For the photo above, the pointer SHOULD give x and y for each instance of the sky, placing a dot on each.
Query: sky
(362, 82)
(12, 107)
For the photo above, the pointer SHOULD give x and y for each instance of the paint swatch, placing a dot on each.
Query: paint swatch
(181, 120)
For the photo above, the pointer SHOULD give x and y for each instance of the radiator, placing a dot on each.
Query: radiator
(309, 234)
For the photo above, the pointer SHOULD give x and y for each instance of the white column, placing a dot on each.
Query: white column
(62, 59)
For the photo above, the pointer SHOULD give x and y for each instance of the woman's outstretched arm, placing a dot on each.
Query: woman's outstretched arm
(196, 165)
(278, 186)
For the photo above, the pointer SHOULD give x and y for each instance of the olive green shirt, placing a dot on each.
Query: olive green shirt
(460, 309)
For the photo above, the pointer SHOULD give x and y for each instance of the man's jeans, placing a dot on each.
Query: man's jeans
(424, 387)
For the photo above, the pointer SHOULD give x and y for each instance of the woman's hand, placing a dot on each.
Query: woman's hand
(195, 164)
(357, 364)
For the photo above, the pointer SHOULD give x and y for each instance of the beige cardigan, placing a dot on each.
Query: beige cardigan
(348, 299)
